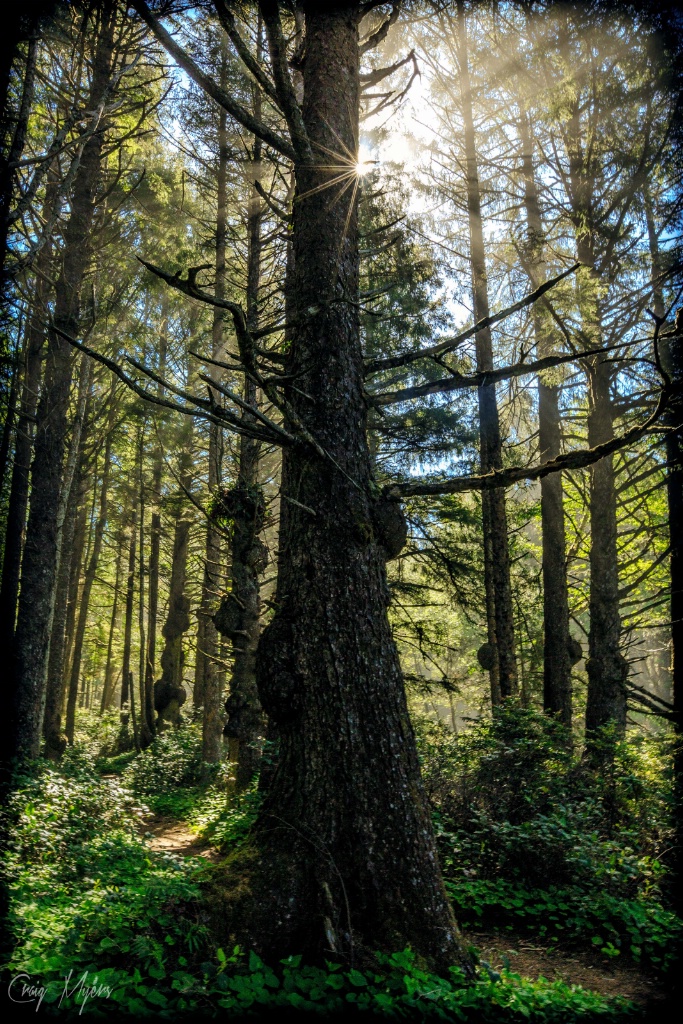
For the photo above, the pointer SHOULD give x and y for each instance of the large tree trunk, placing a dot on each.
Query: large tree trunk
(500, 618)
(558, 655)
(345, 856)
(36, 601)
(674, 484)
(606, 667)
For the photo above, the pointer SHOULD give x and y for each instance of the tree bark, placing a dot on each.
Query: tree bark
(500, 617)
(344, 854)
(71, 540)
(36, 601)
(153, 600)
(606, 667)
(558, 655)
(128, 620)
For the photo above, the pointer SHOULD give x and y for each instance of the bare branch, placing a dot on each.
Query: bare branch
(227, 20)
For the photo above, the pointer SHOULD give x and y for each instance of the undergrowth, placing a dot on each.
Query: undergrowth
(532, 839)
(105, 925)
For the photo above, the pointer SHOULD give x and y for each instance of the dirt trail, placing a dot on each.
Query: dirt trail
(590, 971)
(171, 836)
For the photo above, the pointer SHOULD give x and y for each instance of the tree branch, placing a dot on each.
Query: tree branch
(222, 98)
(283, 83)
(376, 365)
(473, 380)
(505, 477)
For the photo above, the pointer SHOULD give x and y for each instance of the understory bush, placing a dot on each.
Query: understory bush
(532, 837)
(104, 925)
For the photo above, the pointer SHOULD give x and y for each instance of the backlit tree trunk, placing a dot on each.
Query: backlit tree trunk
(501, 638)
(557, 653)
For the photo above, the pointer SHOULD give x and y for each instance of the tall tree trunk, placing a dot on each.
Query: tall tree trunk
(606, 667)
(153, 598)
(19, 487)
(242, 607)
(109, 679)
(71, 540)
(559, 651)
(128, 620)
(84, 605)
(671, 354)
(674, 486)
(36, 600)
(501, 636)
(346, 856)
(146, 727)
(207, 678)
(66, 595)
(169, 693)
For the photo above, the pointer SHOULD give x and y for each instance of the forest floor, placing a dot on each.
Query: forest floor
(499, 950)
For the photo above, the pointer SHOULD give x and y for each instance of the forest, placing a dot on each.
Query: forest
(341, 510)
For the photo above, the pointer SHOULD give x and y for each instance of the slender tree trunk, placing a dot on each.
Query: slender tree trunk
(343, 855)
(128, 620)
(146, 727)
(245, 725)
(109, 683)
(558, 649)
(501, 638)
(153, 598)
(8, 425)
(73, 543)
(36, 601)
(71, 540)
(674, 485)
(169, 692)
(84, 605)
(207, 678)
(19, 488)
